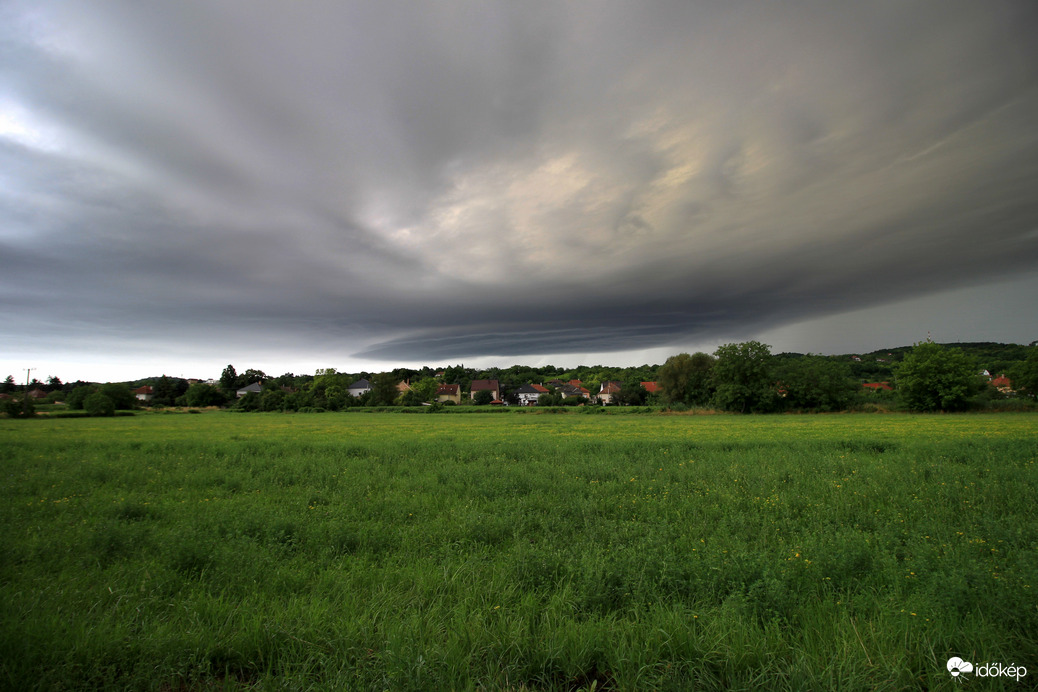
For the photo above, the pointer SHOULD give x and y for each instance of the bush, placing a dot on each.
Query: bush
(19, 409)
(120, 395)
(77, 396)
(932, 378)
(98, 404)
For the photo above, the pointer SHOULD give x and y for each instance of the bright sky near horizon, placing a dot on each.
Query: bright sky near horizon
(369, 185)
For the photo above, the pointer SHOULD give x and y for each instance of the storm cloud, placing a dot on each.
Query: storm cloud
(426, 181)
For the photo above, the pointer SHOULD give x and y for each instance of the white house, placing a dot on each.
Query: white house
(359, 387)
(528, 393)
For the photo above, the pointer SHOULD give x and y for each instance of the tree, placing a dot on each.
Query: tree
(229, 379)
(20, 409)
(742, 378)
(549, 399)
(163, 393)
(249, 376)
(383, 390)
(631, 393)
(273, 399)
(935, 378)
(120, 395)
(686, 379)
(483, 397)
(53, 383)
(8, 386)
(204, 395)
(97, 404)
(250, 402)
(75, 398)
(817, 384)
(1025, 375)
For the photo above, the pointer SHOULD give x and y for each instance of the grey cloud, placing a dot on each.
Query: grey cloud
(423, 181)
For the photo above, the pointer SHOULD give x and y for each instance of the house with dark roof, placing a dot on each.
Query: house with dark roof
(528, 394)
(568, 391)
(492, 386)
(449, 392)
(256, 387)
(359, 387)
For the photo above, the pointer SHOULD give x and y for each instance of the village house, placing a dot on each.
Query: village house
(144, 393)
(1003, 384)
(449, 392)
(256, 387)
(651, 387)
(359, 387)
(491, 386)
(608, 390)
(568, 391)
(528, 394)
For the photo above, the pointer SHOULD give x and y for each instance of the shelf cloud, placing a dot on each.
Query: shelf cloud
(427, 181)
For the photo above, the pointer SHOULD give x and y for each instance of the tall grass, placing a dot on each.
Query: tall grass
(515, 552)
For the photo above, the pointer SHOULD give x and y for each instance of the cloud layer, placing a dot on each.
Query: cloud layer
(431, 181)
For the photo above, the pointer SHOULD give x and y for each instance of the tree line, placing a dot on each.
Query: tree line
(740, 377)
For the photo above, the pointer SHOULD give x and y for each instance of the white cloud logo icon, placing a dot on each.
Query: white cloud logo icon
(956, 666)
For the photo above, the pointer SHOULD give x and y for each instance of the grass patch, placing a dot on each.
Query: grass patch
(515, 551)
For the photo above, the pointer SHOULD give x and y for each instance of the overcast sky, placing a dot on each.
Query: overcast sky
(364, 185)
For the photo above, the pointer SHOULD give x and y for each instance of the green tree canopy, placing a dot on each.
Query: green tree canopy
(120, 395)
(816, 383)
(98, 404)
(20, 409)
(743, 379)
(229, 379)
(75, 398)
(383, 389)
(163, 392)
(1025, 375)
(686, 379)
(935, 378)
(204, 395)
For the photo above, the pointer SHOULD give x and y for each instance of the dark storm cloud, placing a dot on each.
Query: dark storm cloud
(427, 181)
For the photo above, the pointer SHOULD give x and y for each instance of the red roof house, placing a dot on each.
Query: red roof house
(492, 386)
(1003, 384)
(449, 392)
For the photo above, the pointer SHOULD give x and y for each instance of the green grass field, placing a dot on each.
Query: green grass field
(517, 552)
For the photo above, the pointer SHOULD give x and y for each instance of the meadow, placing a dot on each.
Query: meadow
(517, 552)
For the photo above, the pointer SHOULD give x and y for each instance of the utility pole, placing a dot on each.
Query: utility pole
(27, 407)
